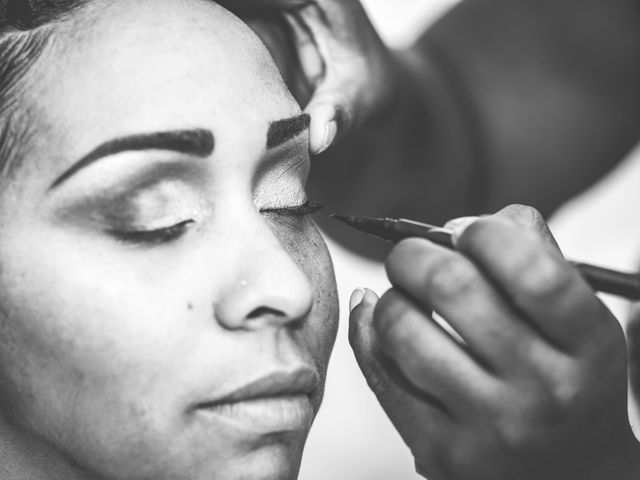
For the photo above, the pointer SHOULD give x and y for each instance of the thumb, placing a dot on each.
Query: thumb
(420, 424)
(366, 348)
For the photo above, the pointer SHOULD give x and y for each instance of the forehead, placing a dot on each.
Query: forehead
(152, 65)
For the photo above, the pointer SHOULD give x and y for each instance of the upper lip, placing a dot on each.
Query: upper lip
(300, 381)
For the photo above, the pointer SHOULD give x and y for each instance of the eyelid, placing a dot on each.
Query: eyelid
(151, 237)
(145, 204)
(127, 174)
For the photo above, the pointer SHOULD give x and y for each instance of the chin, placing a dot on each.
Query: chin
(276, 461)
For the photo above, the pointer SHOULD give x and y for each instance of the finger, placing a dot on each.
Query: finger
(429, 358)
(527, 217)
(538, 281)
(460, 293)
(459, 224)
(379, 373)
(324, 126)
(331, 106)
(420, 420)
(531, 220)
(311, 62)
(357, 70)
(368, 351)
(273, 30)
(364, 343)
(633, 340)
(323, 104)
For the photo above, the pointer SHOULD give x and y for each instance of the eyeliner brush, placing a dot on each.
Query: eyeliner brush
(604, 280)
(397, 229)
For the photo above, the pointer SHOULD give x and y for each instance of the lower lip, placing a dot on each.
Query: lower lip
(269, 415)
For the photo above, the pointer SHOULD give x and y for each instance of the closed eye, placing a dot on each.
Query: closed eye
(152, 237)
(308, 208)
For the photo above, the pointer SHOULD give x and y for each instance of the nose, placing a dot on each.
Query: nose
(269, 289)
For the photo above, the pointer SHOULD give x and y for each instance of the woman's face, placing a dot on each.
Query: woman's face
(168, 309)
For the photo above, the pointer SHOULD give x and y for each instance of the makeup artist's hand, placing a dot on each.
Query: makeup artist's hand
(633, 342)
(331, 57)
(539, 390)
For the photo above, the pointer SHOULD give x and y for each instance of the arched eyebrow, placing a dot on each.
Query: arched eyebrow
(197, 142)
(281, 131)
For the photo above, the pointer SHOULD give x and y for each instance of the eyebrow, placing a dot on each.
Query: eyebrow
(282, 131)
(197, 142)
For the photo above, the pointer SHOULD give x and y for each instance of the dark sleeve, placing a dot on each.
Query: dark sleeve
(550, 88)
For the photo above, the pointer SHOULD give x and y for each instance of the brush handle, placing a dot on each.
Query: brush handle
(626, 285)
(603, 280)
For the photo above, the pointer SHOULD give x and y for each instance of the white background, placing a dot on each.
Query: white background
(352, 439)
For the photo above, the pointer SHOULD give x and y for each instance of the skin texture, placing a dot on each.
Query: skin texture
(106, 346)
(538, 389)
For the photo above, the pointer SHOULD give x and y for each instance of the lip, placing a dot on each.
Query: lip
(300, 381)
(276, 402)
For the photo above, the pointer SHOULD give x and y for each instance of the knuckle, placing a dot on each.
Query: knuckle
(518, 430)
(565, 396)
(386, 314)
(558, 391)
(529, 414)
(405, 252)
(480, 233)
(345, 113)
(514, 433)
(450, 277)
(393, 324)
(540, 275)
(376, 381)
(397, 335)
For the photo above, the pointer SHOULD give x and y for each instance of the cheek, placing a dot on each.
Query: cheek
(86, 351)
(102, 362)
(91, 355)
(313, 258)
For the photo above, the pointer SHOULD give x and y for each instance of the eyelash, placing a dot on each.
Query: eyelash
(168, 234)
(307, 208)
(152, 237)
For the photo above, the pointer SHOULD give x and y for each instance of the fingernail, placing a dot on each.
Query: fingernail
(330, 133)
(356, 298)
(458, 226)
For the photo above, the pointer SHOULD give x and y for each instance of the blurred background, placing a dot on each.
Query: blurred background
(352, 438)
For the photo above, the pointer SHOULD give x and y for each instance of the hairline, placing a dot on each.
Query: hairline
(16, 112)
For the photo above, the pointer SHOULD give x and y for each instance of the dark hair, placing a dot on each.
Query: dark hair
(23, 37)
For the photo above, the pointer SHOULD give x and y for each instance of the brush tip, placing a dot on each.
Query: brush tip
(342, 218)
(353, 220)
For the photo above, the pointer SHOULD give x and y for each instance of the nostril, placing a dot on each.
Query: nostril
(263, 312)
